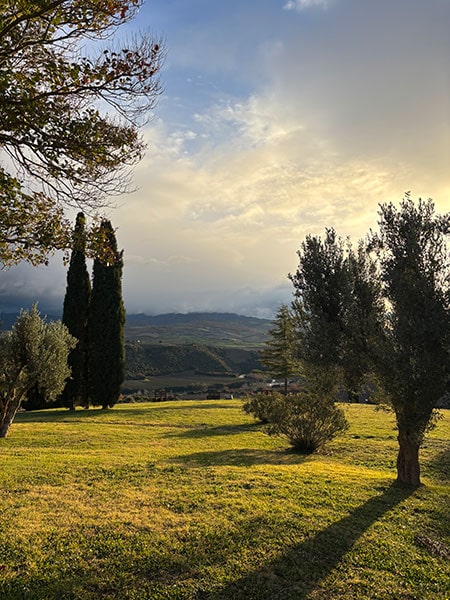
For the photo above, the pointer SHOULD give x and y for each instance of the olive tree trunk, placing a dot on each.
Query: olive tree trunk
(8, 410)
(408, 468)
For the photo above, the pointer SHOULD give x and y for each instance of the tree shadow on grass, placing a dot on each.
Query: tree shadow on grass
(119, 410)
(242, 457)
(202, 430)
(439, 466)
(301, 569)
(121, 563)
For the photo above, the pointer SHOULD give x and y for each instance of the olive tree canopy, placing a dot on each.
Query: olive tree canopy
(33, 354)
(383, 310)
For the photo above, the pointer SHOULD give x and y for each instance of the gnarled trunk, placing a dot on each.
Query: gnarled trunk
(408, 468)
(8, 409)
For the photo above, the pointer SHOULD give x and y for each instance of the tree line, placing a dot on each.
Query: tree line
(70, 130)
(82, 358)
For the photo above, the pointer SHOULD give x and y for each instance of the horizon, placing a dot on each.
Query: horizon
(53, 312)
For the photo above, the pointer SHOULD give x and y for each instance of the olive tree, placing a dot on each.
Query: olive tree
(413, 356)
(33, 354)
(384, 310)
(321, 289)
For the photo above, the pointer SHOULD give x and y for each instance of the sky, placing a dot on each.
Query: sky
(279, 118)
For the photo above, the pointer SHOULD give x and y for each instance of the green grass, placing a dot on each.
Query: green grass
(191, 500)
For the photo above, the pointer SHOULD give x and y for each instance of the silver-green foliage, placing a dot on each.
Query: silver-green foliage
(258, 405)
(33, 353)
(382, 312)
(309, 419)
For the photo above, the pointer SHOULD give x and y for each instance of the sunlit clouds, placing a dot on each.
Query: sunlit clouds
(276, 123)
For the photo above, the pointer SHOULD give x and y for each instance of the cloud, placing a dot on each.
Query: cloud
(335, 116)
(24, 285)
(331, 130)
(303, 4)
(372, 82)
(261, 168)
(220, 222)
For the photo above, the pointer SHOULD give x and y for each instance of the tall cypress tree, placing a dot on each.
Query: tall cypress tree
(75, 315)
(106, 324)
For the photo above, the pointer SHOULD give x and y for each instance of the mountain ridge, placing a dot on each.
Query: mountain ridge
(210, 328)
(194, 316)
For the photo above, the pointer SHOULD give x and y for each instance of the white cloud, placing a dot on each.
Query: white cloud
(342, 114)
(221, 223)
(303, 4)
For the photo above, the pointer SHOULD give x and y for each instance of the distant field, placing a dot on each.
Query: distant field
(198, 337)
(226, 330)
(192, 500)
(177, 380)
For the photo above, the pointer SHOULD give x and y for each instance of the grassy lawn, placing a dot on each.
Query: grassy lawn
(191, 500)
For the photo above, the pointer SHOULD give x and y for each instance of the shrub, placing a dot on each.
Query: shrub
(259, 406)
(307, 419)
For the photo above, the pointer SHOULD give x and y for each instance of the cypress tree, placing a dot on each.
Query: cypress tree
(106, 324)
(280, 354)
(75, 315)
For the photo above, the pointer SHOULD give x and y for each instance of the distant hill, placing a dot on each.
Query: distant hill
(214, 329)
(201, 343)
(145, 360)
(204, 343)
